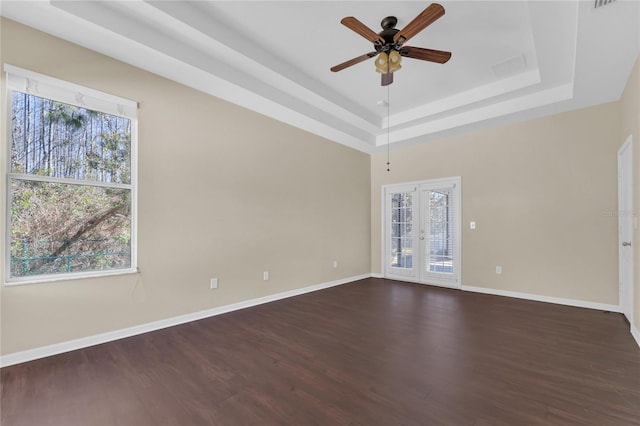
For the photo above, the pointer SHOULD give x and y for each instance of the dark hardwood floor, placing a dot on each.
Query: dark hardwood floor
(373, 352)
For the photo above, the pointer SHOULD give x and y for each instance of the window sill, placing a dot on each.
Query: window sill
(69, 277)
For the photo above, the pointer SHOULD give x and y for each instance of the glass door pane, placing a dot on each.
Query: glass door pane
(440, 253)
(401, 245)
(402, 230)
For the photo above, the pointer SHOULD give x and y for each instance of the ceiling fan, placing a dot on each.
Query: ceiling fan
(389, 43)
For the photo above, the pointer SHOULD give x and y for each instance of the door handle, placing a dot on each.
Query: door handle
(626, 243)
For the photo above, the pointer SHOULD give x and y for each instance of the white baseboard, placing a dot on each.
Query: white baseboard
(636, 334)
(548, 299)
(377, 275)
(71, 345)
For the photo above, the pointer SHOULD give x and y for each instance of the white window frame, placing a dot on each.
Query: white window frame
(32, 83)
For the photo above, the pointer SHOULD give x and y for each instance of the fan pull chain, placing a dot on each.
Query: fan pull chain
(388, 127)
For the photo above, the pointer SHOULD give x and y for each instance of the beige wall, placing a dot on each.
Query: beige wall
(229, 193)
(224, 192)
(538, 191)
(630, 102)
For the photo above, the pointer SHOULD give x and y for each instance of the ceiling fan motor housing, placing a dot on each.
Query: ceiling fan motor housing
(389, 30)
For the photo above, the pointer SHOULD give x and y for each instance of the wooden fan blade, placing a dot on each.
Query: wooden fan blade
(387, 79)
(423, 54)
(353, 61)
(419, 23)
(360, 28)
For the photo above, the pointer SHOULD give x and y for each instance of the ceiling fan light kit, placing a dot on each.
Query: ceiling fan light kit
(386, 63)
(389, 46)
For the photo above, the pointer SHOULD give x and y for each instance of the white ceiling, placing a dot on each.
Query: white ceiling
(511, 60)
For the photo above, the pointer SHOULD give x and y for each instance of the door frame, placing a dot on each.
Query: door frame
(625, 290)
(418, 186)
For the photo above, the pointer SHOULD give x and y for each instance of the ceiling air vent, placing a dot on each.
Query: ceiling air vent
(599, 3)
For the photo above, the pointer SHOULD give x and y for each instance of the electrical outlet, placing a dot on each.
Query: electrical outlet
(265, 276)
(335, 264)
(472, 225)
(214, 283)
(498, 270)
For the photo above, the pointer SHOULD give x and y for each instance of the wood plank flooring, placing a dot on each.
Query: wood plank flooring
(372, 352)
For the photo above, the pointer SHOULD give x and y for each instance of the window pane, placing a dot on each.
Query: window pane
(58, 228)
(49, 138)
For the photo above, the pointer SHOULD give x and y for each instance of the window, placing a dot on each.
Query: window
(71, 180)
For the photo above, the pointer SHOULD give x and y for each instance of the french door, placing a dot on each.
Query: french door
(422, 232)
